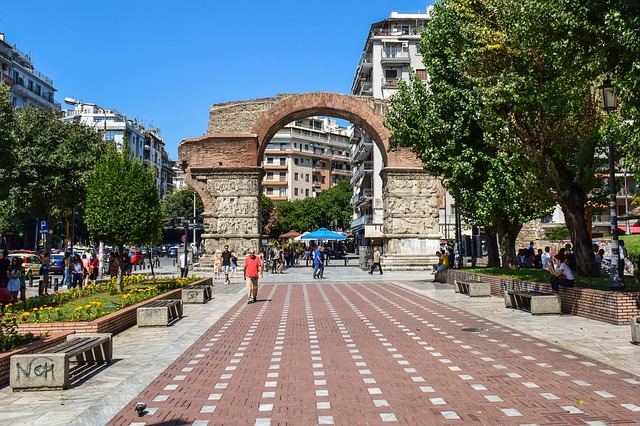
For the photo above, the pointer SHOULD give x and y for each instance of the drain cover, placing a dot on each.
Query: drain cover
(472, 330)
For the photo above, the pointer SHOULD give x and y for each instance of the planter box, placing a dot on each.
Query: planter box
(113, 323)
(612, 307)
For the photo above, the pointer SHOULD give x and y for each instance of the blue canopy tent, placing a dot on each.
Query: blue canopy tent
(324, 234)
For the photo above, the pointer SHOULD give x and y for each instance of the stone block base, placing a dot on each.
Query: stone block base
(635, 330)
(399, 262)
(39, 372)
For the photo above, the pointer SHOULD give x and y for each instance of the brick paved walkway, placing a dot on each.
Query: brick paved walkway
(377, 354)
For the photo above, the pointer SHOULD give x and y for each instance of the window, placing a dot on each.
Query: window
(323, 164)
(269, 175)
(283, 176)
(283, 192)
(295, 176)
(390, 51)
(283, 147)
(323, 179)
(306, 147)
(269, 160)
(283, 161)
(295, 191)
(306, 192)
(269, 191)
(295, 160)
(306, 177)
(422, 74)
(30, 86)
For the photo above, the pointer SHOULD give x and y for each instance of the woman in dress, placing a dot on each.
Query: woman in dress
(14, 279)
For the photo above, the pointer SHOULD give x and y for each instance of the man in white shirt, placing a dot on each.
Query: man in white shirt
(184, 260)
(545, 258)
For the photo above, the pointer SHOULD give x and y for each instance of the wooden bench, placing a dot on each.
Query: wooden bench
(533, 301)
(50, 369)
(196, 294)
(472, 288)
(159, 313)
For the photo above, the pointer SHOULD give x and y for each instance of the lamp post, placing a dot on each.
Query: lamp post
(72, 101)
(610, 104)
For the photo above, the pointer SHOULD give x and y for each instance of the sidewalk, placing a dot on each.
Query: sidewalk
(146, 359)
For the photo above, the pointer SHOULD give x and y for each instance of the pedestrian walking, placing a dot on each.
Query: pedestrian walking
(184, 264)
(252, 272)
(76, 271)
(234, 264)
(114, 265)
(5, 264)
(376, 261)
(44, 273)
(226, 264)
(14, 279)
(318, 263)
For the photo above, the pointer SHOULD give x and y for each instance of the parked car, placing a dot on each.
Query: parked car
(57, 263)
(173, 251)
(136, 256)
(31, 263)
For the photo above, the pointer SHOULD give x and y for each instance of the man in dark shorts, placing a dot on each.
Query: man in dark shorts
(226, 264)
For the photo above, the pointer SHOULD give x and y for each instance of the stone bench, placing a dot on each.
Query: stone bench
(472, 288)
(197, 294)
(635, 330)
(159, 313)
(535, 302)
(50, 369)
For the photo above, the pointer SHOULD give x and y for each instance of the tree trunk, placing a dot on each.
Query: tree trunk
(574, 214)
(507, 234)
(150, 251)
(121, 268)
(493, 260)
(572, 201)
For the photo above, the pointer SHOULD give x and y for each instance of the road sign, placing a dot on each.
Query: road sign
(43, 226)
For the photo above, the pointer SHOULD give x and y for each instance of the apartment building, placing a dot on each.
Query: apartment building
(28, 86)
(390, 51)
(306, 157)
(146, 145)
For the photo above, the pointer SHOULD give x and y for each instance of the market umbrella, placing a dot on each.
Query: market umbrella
(290, 234)
(324, 234)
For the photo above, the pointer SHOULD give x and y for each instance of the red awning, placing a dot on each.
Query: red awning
(290, 234)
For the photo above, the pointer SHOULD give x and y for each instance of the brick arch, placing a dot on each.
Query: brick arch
(290, 108)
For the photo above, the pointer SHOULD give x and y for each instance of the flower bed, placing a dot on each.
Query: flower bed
(114, 322)
(612, 307)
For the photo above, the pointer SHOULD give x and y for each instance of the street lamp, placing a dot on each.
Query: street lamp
(610, 104)
(72, 101)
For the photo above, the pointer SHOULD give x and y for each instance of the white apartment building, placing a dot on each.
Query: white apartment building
(390, 51)
(306, 157)
(28, 86)
(144, 144)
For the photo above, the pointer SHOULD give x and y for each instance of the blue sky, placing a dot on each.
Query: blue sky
(165, 62)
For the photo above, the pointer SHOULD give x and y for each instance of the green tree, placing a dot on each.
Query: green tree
(444, 127)
(50, 161)
(7, 118)
(179, 203)
(330, 207)
(123, 205)
(532, 68)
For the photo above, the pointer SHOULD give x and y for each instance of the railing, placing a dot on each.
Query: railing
(395, 56)
(390, 82)
(365, 144)
(366, 166)
(366, 219)
(43, 77)
(362, 195)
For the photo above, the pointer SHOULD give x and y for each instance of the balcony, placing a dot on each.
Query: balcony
(362, 150)
(366, 219)
(390, 58)
(365, 167)
(390, 83)
(363, 196)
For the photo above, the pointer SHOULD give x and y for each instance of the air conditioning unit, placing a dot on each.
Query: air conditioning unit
(405, 44)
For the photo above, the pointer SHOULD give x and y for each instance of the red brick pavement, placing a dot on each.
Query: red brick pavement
(368, 354)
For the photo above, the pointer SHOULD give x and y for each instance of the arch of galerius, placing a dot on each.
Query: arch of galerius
(224, 167)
